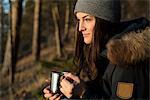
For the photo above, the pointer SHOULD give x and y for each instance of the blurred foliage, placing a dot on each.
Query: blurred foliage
(65, 64)
(135, 8)
(47, 25)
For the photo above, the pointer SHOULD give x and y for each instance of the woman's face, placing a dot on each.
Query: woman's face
(86, 25)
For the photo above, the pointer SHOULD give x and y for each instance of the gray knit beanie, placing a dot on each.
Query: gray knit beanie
(109, 10)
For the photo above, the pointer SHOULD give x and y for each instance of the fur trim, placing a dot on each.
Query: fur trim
(130, 48)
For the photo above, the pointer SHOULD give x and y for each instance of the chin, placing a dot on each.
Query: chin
(87, 42)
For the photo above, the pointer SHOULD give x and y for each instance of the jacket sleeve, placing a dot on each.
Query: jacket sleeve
(92, 90)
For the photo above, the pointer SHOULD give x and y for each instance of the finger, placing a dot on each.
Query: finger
(62, 77)
(75, 78)
(66, 87)
(59, 97)
(47, 80)
(66, 93)
(47, 83)
(54, 97)
(63, 91)
(47, 90)
(47, 95)
(66, 84)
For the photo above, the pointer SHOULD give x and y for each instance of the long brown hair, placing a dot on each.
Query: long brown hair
(99, 39)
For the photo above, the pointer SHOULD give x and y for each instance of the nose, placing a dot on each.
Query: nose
(81, 26)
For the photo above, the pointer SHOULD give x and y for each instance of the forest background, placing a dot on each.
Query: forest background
(37, 37)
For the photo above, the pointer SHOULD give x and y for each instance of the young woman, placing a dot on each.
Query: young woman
(112, 57)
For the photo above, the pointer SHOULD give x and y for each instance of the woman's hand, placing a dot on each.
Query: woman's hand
(68, 84)
(48, 94)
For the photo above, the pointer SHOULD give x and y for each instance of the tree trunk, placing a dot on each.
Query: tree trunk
(1, 32)
(36, 31)
(55, 15)
(10, 59)
(67, 20)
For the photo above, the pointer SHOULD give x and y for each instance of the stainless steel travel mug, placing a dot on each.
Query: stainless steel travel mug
(55, 81)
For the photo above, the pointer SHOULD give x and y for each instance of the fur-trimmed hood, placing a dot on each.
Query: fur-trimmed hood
(130, 47)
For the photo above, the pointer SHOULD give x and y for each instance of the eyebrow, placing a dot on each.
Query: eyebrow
(84, 16)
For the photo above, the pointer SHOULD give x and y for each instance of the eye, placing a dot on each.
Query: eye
(87, 19)
(78, 20)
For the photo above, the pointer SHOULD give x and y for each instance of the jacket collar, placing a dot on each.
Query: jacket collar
(132, 44)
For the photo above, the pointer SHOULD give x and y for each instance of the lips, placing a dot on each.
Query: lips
(85, 34)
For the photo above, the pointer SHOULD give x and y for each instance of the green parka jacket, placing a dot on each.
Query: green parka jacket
(125, 62)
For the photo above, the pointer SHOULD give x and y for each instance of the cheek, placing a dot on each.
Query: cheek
(92, 30)
(92, 27)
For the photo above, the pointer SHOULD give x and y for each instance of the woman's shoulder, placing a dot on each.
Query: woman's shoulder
(131, 46)
(134, 25)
